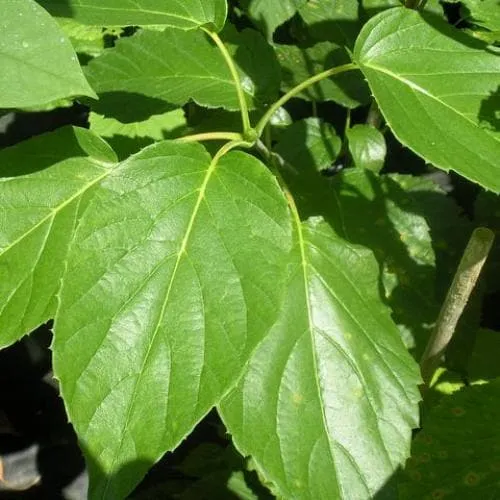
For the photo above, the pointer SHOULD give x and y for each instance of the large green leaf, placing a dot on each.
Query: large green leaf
(457, 454)
(298, 64)
(42, 182)
(38, 64)
(269, 15)
(174, 275)
(194, 68)
(438, 90)
(327, 404)
(185, 14)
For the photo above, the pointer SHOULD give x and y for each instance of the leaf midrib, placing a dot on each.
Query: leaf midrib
(161, 315)
(418, 88)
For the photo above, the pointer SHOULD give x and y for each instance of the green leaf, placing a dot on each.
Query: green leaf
(174, 275)
(129, 138)
(310, 142)
(269, 15)
(348, 89)
(185, 14)
(42, 183)
(485, 13)
(437, 89)
(457, 455)
(332, 20)
(38, 63)
(327, 404)
(367, 147)
(194, 69)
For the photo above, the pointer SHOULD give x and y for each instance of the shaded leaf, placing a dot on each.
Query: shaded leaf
(348, 89)
(187, 14)
(38, 62)
(310, 142)
(42, 183)
(335, 21)
(457, 455)
(128, 138)
(485, 13)
(174, 275)
(483, 364)
(436, 88)
(367, 147)
(269, 15)
(329, 398)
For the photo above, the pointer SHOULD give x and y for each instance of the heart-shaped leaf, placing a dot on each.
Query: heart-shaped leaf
(174, 275)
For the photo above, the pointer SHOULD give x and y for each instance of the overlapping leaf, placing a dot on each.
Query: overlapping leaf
(437, 89)
(367, 147)
(174, 275)
(129, 138)
(38, 64)
(333, 20)
(185, 14)
(42, 183)
(349, 89)
(176, 66)
(457, 454)
(327, 404)
(269, 15)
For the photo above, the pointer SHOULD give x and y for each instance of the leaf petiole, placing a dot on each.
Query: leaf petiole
(236, 77)
(298, 89)
(211, 136)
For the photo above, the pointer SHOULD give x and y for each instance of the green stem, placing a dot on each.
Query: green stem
(211, 136)
(236, 77)
(297, 90)
(459, 292)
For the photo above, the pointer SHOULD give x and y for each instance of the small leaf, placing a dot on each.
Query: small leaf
(327, 404)
(42, 183)
(367, 147)
(185, 14)
(457, 454)
(437, 89)
(194, 69)
(174, 275)
(38, 62)
(310, 142)
(269, 15)
(349, 89)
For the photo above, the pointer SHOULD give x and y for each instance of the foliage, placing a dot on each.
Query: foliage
(198, 247)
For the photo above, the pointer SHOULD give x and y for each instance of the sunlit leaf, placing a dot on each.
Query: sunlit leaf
(437, 89)
(42, 182)
(173, 277)
(329, 398)
(185, 14)
(38, 64)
